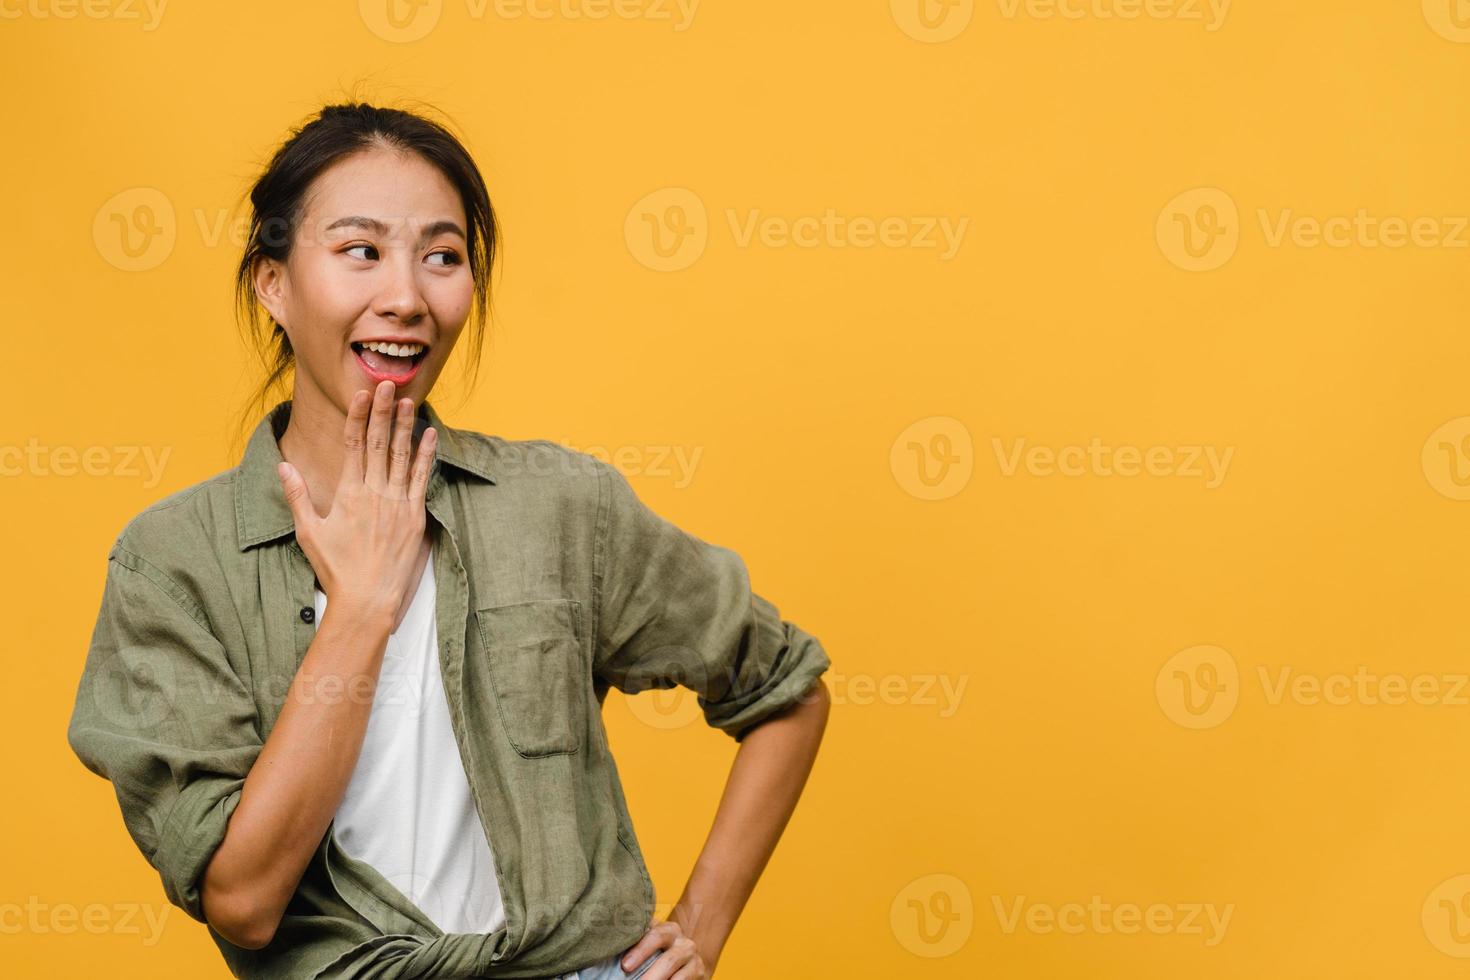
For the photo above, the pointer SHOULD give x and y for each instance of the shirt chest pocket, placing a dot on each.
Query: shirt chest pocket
(534, 660)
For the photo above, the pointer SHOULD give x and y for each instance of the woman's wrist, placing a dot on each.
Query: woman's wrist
(705, 926)
(359, 617)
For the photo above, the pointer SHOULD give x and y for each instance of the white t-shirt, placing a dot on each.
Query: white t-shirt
(408, 811)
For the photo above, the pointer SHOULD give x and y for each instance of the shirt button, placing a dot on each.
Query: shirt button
(308, 614)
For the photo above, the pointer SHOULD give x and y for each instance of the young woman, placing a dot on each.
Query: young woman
(348, 692)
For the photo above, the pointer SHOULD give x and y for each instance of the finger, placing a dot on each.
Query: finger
(423, 463)
(354, 437)
(296, 496)
(379, 421)
(655, 938)
(666, 965)
(401, 454)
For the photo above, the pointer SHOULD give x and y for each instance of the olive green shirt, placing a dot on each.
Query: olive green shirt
(554, 582)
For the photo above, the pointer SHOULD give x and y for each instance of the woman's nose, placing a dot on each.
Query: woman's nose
(399, 294)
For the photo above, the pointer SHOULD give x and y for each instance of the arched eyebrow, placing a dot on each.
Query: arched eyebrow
(377, 227)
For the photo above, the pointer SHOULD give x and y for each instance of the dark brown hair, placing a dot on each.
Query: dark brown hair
(277, 204)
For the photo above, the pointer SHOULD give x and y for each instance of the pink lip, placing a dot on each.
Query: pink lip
(397, 379)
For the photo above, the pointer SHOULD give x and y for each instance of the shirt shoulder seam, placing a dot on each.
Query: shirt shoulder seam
(163, 582)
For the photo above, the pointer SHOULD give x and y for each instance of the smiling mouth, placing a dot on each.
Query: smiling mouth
(385, 366)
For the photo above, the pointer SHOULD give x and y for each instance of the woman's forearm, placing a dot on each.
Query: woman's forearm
(766, 780)
(298, 780)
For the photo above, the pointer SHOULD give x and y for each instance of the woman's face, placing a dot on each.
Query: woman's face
(380, 256)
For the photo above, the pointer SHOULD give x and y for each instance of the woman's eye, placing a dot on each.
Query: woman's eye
(450, 258)
(354, 248)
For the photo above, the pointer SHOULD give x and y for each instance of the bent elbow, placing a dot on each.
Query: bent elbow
(240, 921)
(257, 935)
(247, 933)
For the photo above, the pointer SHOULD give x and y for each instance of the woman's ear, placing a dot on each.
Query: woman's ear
(269, 279)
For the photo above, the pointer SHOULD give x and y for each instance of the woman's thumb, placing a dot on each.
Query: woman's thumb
(294, 486)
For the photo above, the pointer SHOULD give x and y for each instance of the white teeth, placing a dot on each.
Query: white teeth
(394, 350)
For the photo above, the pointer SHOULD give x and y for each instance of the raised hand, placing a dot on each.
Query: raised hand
(366, 552)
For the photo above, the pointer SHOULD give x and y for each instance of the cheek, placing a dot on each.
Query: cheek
(339, 300)
(450, 301)
(325, 292)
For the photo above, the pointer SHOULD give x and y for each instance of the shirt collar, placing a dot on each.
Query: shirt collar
(261, 511)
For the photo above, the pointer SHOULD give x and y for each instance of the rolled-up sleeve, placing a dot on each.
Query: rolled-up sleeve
(161, 714)
(673, 609)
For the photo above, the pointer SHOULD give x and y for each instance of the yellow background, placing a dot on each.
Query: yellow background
(824, 387)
